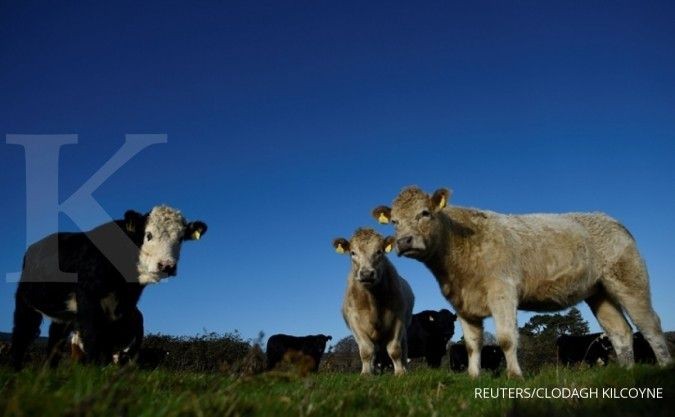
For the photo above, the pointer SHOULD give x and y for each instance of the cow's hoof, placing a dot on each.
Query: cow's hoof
(514, 375)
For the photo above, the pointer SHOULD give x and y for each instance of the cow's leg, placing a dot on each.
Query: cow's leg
(473, 338)
(58, 332)
(503, 305)
(94, 331)
(645, 319)
(26, 329)
(134, 347)
(367, 354)
(128, 336)
(396, 348)
(628, 283)
(434, 359)
(614, 324)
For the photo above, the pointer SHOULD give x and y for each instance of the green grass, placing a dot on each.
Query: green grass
(88, 391)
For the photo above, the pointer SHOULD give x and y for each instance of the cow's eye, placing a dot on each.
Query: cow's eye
(148, 236)
(425, 213)
(394, 222)
(353, 253)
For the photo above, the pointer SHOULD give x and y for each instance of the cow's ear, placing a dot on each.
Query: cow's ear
(440, 198)
(388, 244)
(382, 214)
(133, 221)
(341, 245)
(195, 230)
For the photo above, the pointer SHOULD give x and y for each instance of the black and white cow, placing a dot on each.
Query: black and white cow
(428, 336)
(108, 268)
(594, 349)
(279, 344)
(491, 357)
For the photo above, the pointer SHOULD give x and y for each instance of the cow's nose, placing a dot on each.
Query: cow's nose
(404, 243)
(168, 267)
(367, 275)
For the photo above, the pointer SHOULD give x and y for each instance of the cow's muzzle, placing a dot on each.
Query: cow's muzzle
(367, 277)
(167, 267)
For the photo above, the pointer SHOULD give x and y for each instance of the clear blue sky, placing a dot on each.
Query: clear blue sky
(288, 123)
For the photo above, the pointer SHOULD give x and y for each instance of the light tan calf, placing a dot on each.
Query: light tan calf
(378, 303)
(491, 264)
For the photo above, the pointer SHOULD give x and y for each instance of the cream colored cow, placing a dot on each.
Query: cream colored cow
(378, 303)
(491, 264)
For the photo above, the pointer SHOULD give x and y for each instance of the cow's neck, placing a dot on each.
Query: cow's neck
(134, 291)
(443, 263)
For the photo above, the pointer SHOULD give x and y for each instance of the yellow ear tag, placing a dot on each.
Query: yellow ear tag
(130, 227)
(196, 235)
(383, 219)
(387, 248)
(441, 204)
(339, 249)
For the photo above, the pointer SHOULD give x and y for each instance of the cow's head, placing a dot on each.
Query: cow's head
(321, 340)
(438, 323)
(162, 232)
(367, 249)
(415, 215)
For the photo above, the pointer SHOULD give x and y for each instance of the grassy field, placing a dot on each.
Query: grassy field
(88, 391)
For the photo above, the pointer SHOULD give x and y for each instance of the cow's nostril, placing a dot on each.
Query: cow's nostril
(167, 267)
(404, 242)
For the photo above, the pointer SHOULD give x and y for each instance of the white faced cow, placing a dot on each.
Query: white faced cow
(89, 281)
(378, 303)
(491, 264)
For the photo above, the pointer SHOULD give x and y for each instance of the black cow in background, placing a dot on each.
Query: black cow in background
(428, 336)
(594, 349)
(642, 352)
(491, 357)
(279, 345)
(108, 268)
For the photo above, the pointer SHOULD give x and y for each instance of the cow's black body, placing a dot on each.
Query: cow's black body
(491, 357)
(427, 336)
(279, 344)
(42, 290)
(593, 349)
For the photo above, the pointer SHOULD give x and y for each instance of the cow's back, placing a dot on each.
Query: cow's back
(57, 265)
(610, 239)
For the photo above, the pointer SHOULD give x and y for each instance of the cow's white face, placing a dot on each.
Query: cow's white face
(165, 231)
(368, 251)
(414, 214)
